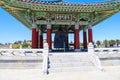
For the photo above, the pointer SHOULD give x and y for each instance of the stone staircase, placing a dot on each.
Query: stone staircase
(63, 62)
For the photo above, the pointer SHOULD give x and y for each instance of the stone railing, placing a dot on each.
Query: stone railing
(91, 49)
(107, 50)
(24, 56)
(14, 56)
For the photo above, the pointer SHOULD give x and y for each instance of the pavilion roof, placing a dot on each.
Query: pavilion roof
(100, 10)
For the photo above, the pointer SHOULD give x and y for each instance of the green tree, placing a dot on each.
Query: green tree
(15, 46)
(112, 43)
(81, 44)
(117, 42)
(105, 42)
(98, 43)
(25, 45)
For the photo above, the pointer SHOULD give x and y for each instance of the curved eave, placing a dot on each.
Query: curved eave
(14, 13)
(65, 8)
(23, 21)
(104, 17)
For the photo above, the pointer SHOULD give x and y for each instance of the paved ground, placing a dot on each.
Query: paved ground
(109, 73)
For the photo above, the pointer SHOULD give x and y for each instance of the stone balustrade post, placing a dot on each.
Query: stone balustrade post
(90, 48)
(45, 58)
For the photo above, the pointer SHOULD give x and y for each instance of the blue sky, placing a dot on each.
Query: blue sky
(12, 30)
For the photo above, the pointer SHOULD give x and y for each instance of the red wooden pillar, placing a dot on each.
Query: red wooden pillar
(90, 36)
(76, 37)
(84, 39)
(49, 41)
(34, 37)
(40, 42)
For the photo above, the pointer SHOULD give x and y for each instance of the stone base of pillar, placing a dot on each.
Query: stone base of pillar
(77, 50)
(50, 50)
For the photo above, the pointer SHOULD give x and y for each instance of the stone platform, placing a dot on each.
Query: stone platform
(109, 73)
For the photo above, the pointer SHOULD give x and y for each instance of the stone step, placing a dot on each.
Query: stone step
(72, 62)
(68, 60)
(69, 64)
(73, 69)
(67, 57)
(73, 56)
